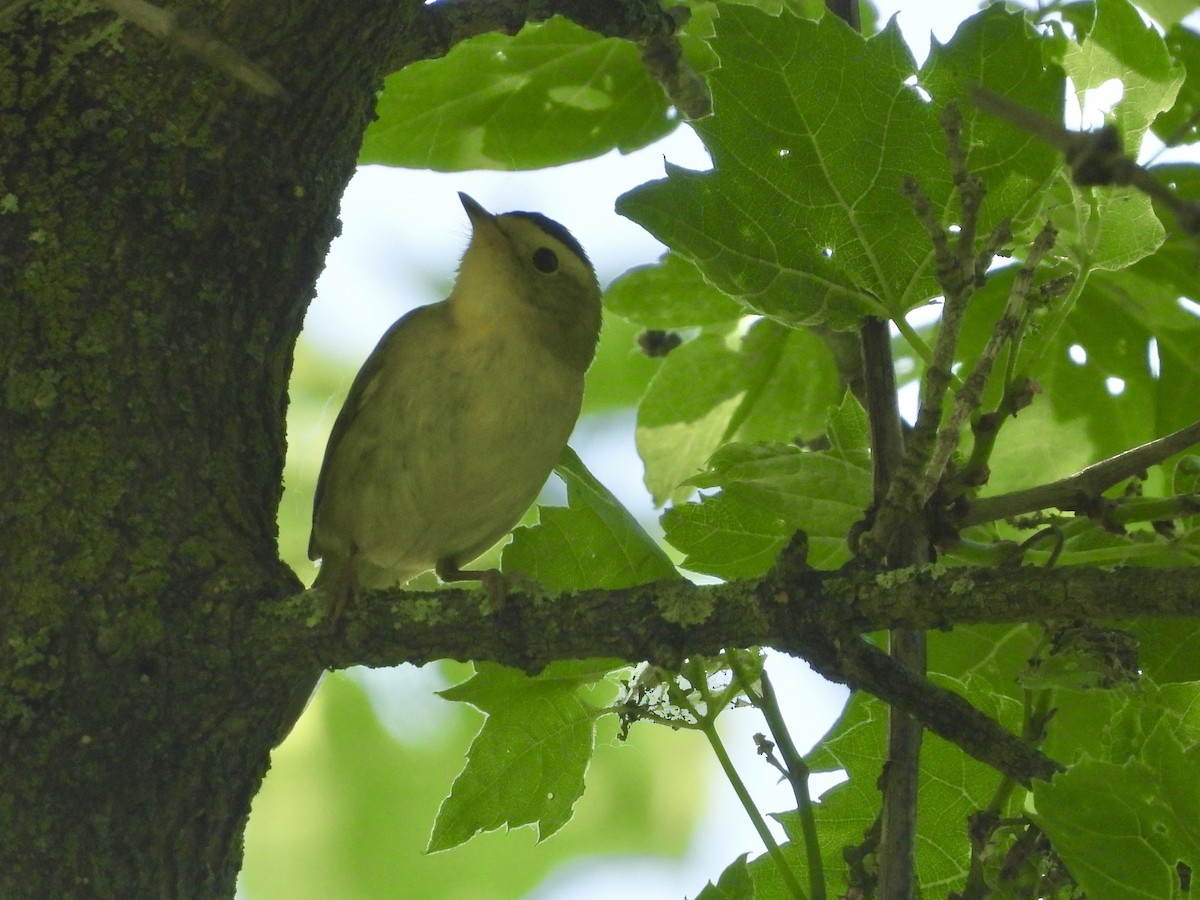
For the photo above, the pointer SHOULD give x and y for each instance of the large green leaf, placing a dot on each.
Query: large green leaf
(1122, 47)
(768, 493)
(1178, 125)
(554, 93)
(1100, 394)
(1123, 821)
(774, 384)
(1111, 228)
(526, 765)
(802, 217)
(999, 48)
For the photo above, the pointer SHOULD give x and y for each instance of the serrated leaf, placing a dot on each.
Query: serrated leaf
(593, 543)
(669, 294)
(1107, 837)
(1179, 124)
(999, 47)
(554, 93)
(726, 538)
(526, 765)
(802, 217)
(1123, 823)
(1111, 228)
(1121, 46)
(1121, 229)
(734, 884)
(775, 384)
(769, 492)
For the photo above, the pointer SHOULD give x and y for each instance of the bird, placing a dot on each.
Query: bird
(459, 414)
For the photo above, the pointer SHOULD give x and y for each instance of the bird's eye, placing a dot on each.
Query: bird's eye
(545, 260)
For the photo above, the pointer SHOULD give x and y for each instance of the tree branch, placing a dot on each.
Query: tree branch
(1072, 491)
(866, 667)
(817, 616)
(1095, 157)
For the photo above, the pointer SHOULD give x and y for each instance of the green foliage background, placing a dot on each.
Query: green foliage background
(801, 222)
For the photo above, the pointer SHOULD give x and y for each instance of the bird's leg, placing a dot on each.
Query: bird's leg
(338, 579)
(345, 590)
(492, 580)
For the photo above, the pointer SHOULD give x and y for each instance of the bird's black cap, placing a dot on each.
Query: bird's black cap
(548, 225)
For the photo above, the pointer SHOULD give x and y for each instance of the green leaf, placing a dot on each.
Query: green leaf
(1000, 48)
(669, 294)
(1080, 418)
(1168, 12)
(618, 376)
(1108, 838)
(734, 884)
(775, 384)
(595, 542)
(552, 94)
(725, 537)
(1168, 650)
(526, 765)
(1113, 227)
(768, 493)
(1123, 818)
(1179, 124)
(802, 218)
(768, 883)
(1121, 46)
(849, 432)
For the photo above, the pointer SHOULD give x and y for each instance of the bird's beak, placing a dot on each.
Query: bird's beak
(476, 213)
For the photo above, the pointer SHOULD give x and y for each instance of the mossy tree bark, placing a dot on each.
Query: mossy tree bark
(161, 230)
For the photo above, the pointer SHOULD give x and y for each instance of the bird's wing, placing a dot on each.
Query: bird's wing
(402, 330)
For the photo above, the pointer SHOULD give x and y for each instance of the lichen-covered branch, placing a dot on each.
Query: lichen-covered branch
(818, 616)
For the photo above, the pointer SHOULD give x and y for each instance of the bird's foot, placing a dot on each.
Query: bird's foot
(494, 582)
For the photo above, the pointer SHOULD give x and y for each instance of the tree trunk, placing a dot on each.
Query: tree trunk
(161, 229)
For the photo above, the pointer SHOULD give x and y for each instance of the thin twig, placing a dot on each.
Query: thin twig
(966, 399)
(960, 271)
(1095, 157)
(1089, 482)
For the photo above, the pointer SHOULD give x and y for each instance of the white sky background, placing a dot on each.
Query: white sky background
(403, 232)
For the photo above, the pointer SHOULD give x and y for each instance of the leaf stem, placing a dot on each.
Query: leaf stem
(709, 727)
(914, 340)
(798, 773)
